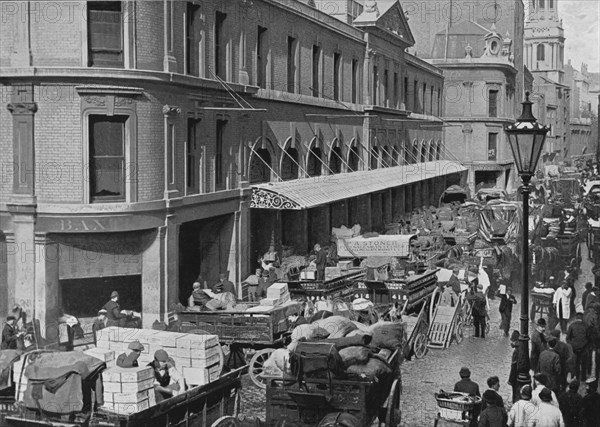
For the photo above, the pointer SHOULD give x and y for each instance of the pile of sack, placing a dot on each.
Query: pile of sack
(354, 349)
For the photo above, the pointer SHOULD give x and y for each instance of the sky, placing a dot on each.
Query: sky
(582, 33)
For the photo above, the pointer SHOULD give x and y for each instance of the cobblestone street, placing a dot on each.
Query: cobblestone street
(439, 369)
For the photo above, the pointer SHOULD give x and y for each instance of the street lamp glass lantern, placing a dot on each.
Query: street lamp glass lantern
(526, 138)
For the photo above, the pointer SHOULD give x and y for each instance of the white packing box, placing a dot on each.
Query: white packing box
(135, 397)
(332, 272)
(277, 290)
(201, 376)
(107, 356)
(119, 387)
(205, 362)
(345, 265)
(163, 339)
(308, 275)
(197, 342)
(127, 375)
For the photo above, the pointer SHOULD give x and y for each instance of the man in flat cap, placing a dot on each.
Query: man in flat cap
(100, 320)
(130, 357)
(478, 310)
(538, 343)
(10, 335)
(493, 415)
(547, 413)
(522, 411)
(168, 381)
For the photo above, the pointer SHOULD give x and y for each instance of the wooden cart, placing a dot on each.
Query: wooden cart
(242, 330)
(541, 304)
(342, 287)
(446, 323)
(361, 399)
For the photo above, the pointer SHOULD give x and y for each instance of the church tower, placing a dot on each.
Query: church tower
(545, 40)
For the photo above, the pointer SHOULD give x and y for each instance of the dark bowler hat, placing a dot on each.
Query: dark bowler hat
(546, 395)
(114, 294)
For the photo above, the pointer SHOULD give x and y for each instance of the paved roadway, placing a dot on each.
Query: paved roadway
(439, 369)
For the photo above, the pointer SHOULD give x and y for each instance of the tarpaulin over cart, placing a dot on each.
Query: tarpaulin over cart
(500, 222)
(55, 381)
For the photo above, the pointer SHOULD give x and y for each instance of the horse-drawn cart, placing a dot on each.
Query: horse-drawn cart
(262, 331)
(342, 286)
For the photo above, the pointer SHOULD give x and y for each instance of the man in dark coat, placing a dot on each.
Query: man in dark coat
(320, 262)
(129, 359)
(563, 353)
(224, 285)
(571, 405)
(10, 336)
(591, 403)
(465, 385)
(454, 281)
(506, 305)
(550, 365)
(588, 290)
(114, 317)
(479, 310)
(493, 415)
(514, 364)
(538, 343)
(579, 336)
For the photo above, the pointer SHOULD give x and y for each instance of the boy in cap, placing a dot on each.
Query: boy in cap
(465, 385)
(591, 403)
(493, 415)
(113, 311)
(130, 357)
(522, 411)
(10, 336)
(547, 413)
(168, 381)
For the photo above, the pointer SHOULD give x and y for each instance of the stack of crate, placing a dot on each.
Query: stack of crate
(197, 357)
(20, 379)
(107, 356)
(128, 390)
(277, 294)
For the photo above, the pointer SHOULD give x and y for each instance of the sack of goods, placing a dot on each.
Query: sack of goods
(277, 363)
(388, 335)
(337, 326)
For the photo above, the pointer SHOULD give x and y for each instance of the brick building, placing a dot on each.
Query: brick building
(139, 136)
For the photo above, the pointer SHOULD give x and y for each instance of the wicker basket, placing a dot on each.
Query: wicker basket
(454, 405)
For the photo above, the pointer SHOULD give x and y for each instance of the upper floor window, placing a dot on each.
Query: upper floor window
(354, 81)
(292, 63)
(337, 70)
(219, 152)
(542, 4)
(416, 97)
(551, 4)
(105, 34)
(396, 98)
(316, 70)
(386, 96)
(493, 103)
(492, 146)
(107, 152)
(375, 86)
(424, 96)
(261, 57)
(192, 53)
(220, 46)
(405, 93)
(541, 52)
(193, 156)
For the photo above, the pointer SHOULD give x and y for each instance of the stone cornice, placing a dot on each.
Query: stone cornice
(22, 107)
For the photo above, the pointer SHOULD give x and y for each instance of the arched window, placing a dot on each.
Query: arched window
(395, 156)
(335, 160)
(541, 52)
(423, 157)
(374, 157)
(353, 159)
(259, 166)
(289, 164)
(313, 164)
(386, 160)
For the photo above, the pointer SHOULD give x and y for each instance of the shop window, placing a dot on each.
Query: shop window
(493, 103)
(353, 159)
(335, 160)
(314, 162)
(541, 52)
(221, 124)
(289, 164)
(192, 52)
(337, 70)
(107, 158)
(292, 63)
(492, 146)
(261, 57)
(354, 81)
(316, 69)
(220, 46)
(105, 34)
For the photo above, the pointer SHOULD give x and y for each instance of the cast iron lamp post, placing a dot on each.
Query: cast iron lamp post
(526, 138)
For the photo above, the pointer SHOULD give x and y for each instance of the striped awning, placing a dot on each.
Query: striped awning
(306, 193)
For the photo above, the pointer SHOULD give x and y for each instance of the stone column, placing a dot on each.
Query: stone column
(153, 280)
(21, 56)
(171, 261)
(469, 92)
(169, 60)
(46, 286)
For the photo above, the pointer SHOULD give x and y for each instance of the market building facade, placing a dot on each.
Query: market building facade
(138, 137)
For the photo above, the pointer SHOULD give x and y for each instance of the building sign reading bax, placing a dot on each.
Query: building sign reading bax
(396, 245)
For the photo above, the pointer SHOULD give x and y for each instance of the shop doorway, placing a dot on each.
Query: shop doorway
(84, 297)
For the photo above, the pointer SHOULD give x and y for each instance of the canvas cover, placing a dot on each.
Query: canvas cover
(7, 357)
(500, 220)
(55, 381)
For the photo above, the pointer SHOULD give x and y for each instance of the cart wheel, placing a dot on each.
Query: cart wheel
(420, 345)
(393, 415)
(459, 333)
(226, 422)
(256, 366)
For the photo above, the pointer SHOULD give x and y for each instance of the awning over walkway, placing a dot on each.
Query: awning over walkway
(306, 193)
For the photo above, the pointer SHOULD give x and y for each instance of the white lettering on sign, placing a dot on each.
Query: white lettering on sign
(391, 245)
(81, 225)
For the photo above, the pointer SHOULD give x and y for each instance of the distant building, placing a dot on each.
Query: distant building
(583, 106)
(479, 47)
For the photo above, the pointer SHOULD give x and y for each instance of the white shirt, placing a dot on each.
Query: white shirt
(548, 415)
(521, 414)
(535, 397)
